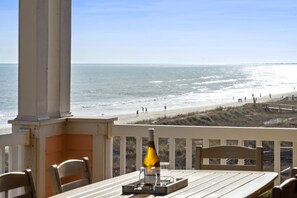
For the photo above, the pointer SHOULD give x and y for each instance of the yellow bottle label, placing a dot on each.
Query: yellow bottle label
(151, 159)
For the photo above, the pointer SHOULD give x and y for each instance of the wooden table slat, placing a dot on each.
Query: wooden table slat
(255, 187)
(228, 186)
(194, 180)
(201, 188)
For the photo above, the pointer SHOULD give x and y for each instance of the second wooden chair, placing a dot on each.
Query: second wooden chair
(229, 152)
(73, 167)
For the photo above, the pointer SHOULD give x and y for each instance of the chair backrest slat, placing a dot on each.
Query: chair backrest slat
(76, 184)
(71, 167)
(229, 152)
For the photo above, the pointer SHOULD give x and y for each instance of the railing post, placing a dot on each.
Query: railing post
(157, 143)
(108, 155)
(277, 159)
(223, 143)
(2, 159)
(12, 165)
(188, 153)
(138, 152)
(205, 144)
(294, 154)
(241, 143)
(259, 143)
(172, 152)
(123, 155)
(2, 165)
(109, 151)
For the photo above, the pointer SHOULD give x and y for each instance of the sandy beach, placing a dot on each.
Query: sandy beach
(132, 118)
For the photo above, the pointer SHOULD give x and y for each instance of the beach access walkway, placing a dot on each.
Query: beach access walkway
(281, 107)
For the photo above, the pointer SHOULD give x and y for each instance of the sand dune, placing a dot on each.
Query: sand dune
(131, 118)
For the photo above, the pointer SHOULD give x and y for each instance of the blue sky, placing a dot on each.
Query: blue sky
(172, 31)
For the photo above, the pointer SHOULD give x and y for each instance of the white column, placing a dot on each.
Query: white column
(33, 59)
(44, 59)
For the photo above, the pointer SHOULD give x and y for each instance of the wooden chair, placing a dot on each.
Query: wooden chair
(13, 180)
(229, 152)
(70, 174)
(288, 189)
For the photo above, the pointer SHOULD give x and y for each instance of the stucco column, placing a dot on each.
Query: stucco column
(44, 59)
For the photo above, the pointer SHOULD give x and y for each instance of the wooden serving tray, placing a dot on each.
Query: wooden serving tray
(135, 188)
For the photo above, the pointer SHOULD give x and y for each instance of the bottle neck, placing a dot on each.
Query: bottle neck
(151, 135)
(151, 139)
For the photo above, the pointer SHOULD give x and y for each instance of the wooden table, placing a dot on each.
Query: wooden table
(201, 183)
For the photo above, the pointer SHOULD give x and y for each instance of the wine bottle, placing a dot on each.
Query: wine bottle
(151, 161)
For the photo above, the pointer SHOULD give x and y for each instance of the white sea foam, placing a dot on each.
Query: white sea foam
(156, 81)
(214, 82)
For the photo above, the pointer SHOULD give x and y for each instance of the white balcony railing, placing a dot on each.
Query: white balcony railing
(12, 152)
(279, 138)
(179, 140)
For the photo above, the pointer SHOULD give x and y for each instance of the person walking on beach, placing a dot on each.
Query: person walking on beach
(165, 107)
(137, 112)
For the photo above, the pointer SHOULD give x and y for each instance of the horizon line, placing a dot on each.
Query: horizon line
(189, 64)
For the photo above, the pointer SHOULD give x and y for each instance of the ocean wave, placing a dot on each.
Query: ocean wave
(242, 85)
(183, 79)
(209, 77)
(214, 82)
(156, 81)
(87, 106)
(203, 89)
(172, 81)
(181, 85)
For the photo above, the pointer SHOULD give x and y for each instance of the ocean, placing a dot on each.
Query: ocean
(115, 89)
